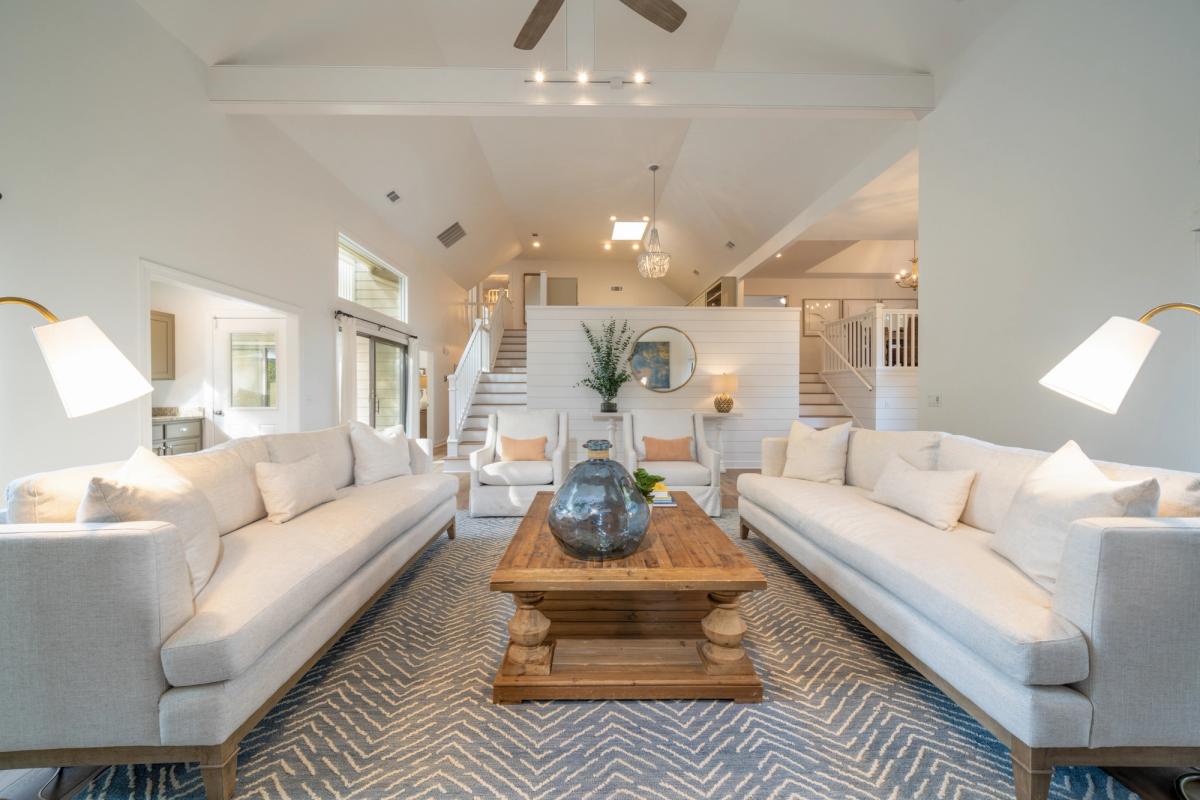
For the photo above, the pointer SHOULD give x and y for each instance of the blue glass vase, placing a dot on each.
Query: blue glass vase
(599, 513)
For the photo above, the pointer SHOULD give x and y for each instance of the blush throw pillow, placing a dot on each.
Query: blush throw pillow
(936, 497)
(523, 449)
(814, 455)
(148, 489)
(289, 490)
(379, 455)
(1064, 488)
(668, 449)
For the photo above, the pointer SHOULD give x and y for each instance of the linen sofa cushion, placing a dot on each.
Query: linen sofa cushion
(933, 496)
(148, 489)
(815, 455)
(663, 424)
(272, 576)
(999, 472)
(332, 444)
(517, 473)
(528, 425)
(290, 489)
(53, 496)
(523, 449)
(1179, 492)
(379, 455)
(1064, 488)
(869, 452)
(679, 473)
(225, 474)
(668, 449)
(952, 579)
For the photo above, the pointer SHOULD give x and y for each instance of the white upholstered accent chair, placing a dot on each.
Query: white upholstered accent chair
(501, 488)
(700, 478)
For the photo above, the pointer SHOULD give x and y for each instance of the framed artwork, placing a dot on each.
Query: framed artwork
(819, 312)
(852, 308)
(651, 364)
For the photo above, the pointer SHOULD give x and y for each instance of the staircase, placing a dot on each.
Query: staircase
(502, 389)
(819, 406)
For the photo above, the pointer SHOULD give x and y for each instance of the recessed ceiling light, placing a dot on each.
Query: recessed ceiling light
(639, 77)
(783, 301)
(645, 219)
(779, 255)
(539, 76)
(637, 246)
(613, 218)
(582, 77)
(537, 244)
(608, 245)
(628, 231)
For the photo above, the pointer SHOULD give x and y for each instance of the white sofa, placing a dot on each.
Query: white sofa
(700, 477)
(1103, 671)
(108, 659)
(502, 488)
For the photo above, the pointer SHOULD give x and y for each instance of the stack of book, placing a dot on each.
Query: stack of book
(661, 497)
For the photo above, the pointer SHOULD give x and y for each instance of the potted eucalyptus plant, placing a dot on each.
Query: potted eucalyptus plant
(607, 367)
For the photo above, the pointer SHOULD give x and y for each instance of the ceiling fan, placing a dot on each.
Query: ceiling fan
(666, 14)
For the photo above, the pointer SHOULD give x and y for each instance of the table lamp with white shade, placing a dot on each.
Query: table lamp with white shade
(88, 370)
(723, 385)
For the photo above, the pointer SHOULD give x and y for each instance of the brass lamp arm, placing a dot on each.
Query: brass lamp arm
(1154, 312)
(38, 307)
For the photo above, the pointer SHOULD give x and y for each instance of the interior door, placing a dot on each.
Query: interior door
(249, 367)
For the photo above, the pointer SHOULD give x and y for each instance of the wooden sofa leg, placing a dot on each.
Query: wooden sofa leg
(743, 529)
(220, 777)
(1031, 772)
(452, 530)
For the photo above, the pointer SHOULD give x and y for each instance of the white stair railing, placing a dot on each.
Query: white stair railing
(882, 338)
(478, 356)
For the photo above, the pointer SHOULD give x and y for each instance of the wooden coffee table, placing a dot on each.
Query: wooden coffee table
(660, 624)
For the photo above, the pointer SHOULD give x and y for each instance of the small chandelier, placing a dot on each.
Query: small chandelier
(906, 279)
(654, 262)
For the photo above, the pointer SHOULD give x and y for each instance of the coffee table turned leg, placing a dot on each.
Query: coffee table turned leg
(527, 652)
(724, 629)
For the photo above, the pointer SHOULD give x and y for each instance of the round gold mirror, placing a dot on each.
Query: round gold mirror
(663, 359)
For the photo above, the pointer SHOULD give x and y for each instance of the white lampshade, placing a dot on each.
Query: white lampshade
(1099, 372)
(725, 383)
(89, 372)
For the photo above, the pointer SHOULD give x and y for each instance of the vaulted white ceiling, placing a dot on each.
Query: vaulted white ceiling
(736, 179)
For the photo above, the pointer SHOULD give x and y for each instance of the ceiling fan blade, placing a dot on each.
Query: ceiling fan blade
(666, 14)
(535, 26)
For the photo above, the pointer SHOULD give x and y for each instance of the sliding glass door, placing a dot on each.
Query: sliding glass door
(382, 382)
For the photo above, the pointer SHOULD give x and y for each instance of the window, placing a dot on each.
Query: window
(366, 280)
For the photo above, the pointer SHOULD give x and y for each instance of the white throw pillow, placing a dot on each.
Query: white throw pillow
(1064, 488)
(289, 490)
(148, 489)
(814, 455)
(933, 496)
(379, 455)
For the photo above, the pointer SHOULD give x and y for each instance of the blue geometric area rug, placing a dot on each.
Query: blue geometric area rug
(401, 708)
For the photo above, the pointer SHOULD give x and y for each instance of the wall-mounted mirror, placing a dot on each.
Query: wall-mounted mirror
(663, 359)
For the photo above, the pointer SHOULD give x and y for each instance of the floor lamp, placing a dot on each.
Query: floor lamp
(89, 372)
(1098, 373)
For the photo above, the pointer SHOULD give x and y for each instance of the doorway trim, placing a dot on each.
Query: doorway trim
(150, 272)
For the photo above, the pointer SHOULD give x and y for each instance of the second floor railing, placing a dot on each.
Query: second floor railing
(881, 338)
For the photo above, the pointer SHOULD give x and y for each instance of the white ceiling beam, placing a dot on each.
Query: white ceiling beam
(241, 89)
(581, 35)
(896, 147)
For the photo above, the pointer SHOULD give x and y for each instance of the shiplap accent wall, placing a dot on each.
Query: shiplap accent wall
(892, 406)
(760, 345)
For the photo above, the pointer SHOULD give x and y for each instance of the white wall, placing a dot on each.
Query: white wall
(595, 281)
(755, 343)
(1060, 183)
(112, 155)
(799, 289)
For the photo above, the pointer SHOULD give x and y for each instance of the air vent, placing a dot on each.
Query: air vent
(393, 195)
(616, 288)
(451, 235)
(730, 245)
